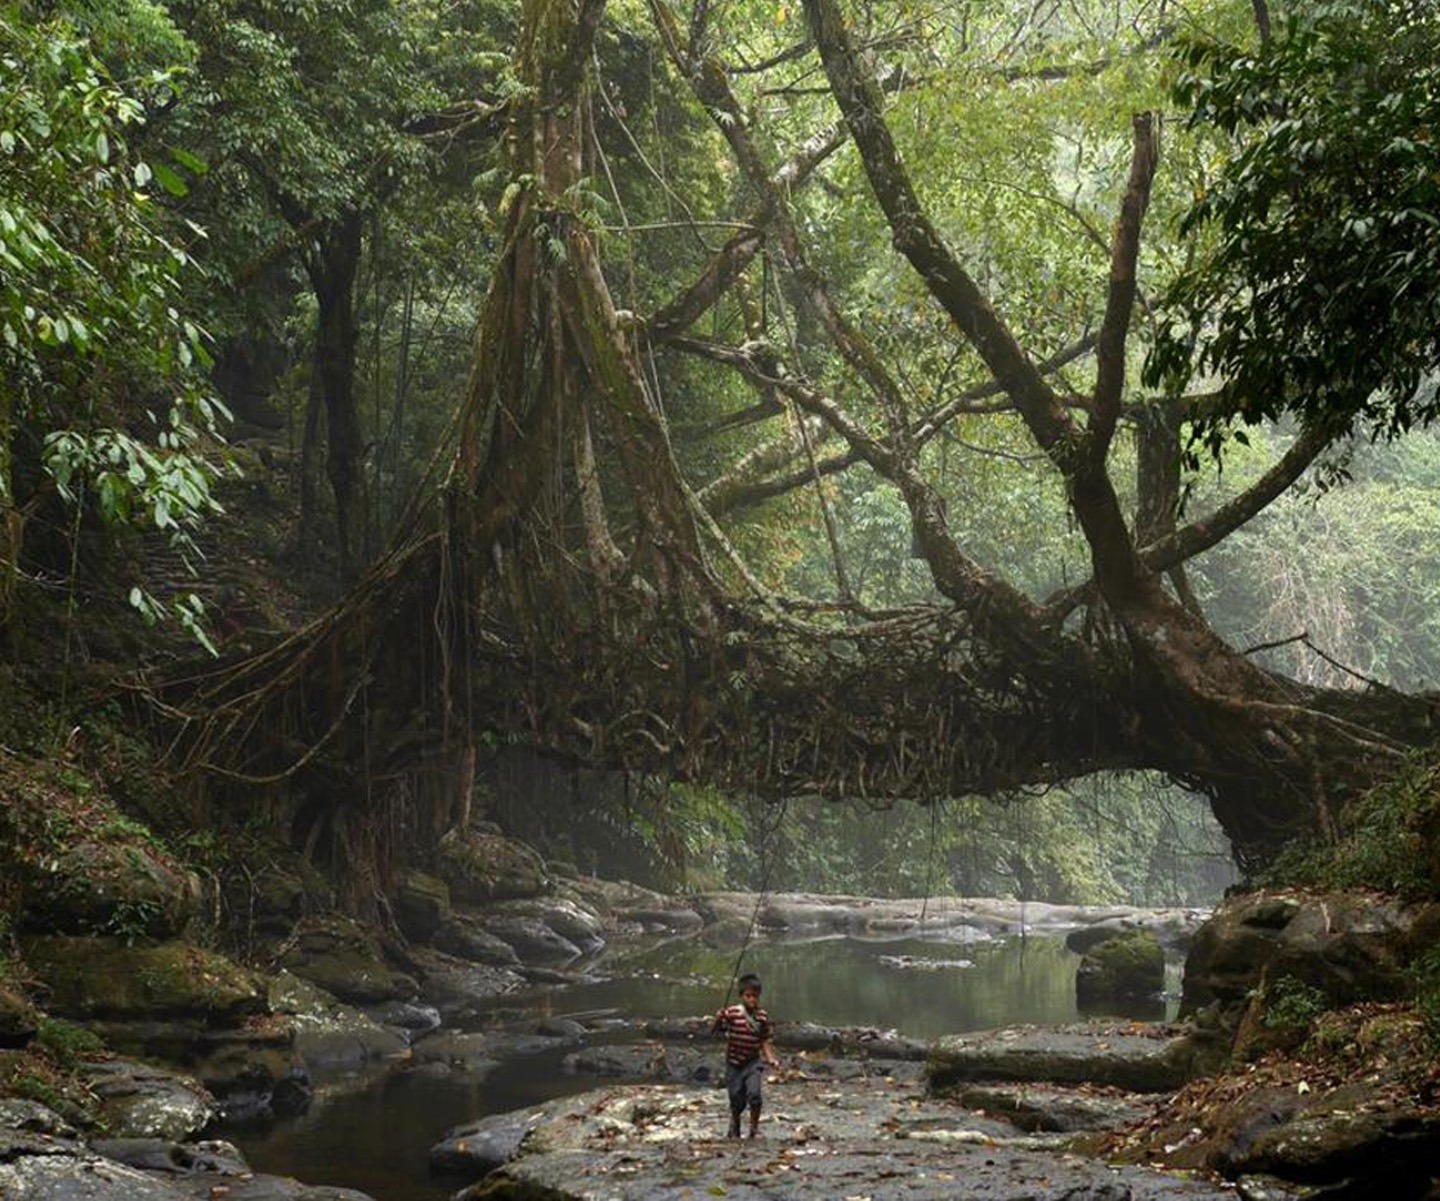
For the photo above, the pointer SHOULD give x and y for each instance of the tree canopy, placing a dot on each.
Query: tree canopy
(806, 447)
(1314, 295)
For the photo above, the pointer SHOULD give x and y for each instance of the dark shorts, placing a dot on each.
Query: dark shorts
(743, 1084)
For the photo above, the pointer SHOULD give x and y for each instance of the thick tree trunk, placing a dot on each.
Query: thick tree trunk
(334, 266)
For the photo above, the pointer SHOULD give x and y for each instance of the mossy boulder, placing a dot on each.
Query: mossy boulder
(112, 978)
(335, 953)
(94, 887)
(18, 1018)
(1350, 946)
(422, 905)
(74, 864)
(1127, 967)
(480, 866)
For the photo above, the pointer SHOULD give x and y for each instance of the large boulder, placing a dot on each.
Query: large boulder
(130, 889)
(337, 954)
(326, 1032)
(578, 924)
(1127, 967)
(1345, 1117)
(18, 1018)
(113, 978)
(480, 866)
(422, 905)
(74, 864)
(1348, 946)
(466, 937)
(140, 1101)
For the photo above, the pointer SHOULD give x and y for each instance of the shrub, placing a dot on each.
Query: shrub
(1384, 841)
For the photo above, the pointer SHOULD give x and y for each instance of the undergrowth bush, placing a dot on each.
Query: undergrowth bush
(1292, 1006)
(1425, 974)
(1384, 841)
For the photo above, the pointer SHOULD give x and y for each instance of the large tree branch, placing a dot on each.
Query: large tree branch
(771, 470)
(917, 239)
(730, 261)
(1124, 252)
(1200, 535)
(571, 69)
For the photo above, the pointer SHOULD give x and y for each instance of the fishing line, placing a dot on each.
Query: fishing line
(767, 866)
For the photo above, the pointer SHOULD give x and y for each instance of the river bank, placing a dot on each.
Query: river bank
(195, 1042)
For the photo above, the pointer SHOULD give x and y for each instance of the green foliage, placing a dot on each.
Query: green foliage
(1366, 590)
(1383, 842)
(66, 1043)
(1291, 1007)
(101, 373)
(1115, 841)
(1425, 976)
(1317, 293)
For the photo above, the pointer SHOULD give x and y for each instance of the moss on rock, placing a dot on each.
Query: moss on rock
(1130, 965)
(117, 979)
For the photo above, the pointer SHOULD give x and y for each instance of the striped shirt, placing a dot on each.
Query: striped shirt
(744, 1032)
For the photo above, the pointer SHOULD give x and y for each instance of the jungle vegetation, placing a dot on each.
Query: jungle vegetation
(867, 402)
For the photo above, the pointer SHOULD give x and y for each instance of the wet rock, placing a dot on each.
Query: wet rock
(62, 1175)
(409, 1016)
(160, 1155)
(422, 905)
(629, 908)
(480, 866)
(656, 1061)
(533, 941)
(140, 1101)
(956, 918)
(339, 955)
(575, 923)
(564, 1028)
(19, 1113)
(1127, 967)
(1392, 1153)
(1133, 1056)
(127, 888)
(453, 984)
(90, 978)
(1043, 1107)
(476, 1148)
(465, 936)
(1349, 946)
(664, 1141)
(1087, 937)
(458, 1053)
(327, 1033)
(18, 1018)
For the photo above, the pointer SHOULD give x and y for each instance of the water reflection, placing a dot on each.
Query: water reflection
(847, 982)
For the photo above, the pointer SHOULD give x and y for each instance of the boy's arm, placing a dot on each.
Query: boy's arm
(719, 1023)
(767, 1045)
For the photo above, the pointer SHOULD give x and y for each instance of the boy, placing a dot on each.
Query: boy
(747, 1051)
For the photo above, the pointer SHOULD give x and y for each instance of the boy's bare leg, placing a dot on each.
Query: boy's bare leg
(734, 1124)
(754, 1122)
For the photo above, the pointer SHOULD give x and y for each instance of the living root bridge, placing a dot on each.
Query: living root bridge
(424, 663)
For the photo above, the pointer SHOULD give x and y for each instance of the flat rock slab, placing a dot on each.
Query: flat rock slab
(1133, 1056)
(875, 1138)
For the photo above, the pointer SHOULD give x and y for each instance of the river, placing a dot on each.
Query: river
(376, 1136)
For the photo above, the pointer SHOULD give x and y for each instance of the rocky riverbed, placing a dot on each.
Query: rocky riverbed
(195, 1040)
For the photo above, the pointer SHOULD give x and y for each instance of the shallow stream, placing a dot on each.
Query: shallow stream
(376, 1137)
